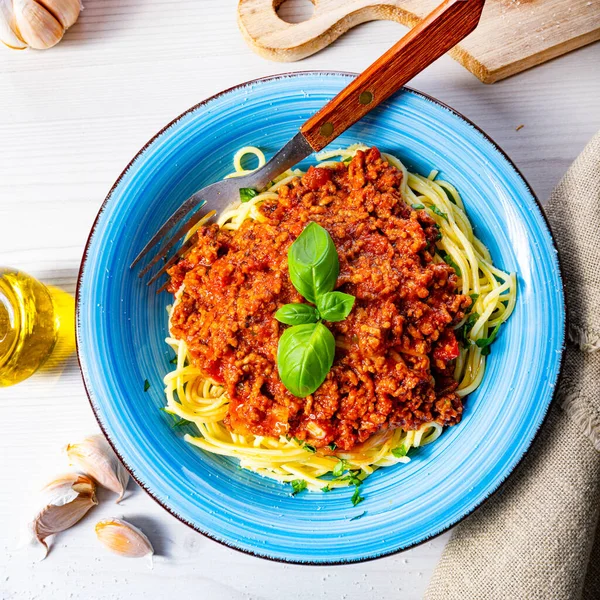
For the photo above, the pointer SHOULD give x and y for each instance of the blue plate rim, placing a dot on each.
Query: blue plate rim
(499, 486)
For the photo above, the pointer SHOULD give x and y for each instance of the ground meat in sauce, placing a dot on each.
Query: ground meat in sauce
(396, 350)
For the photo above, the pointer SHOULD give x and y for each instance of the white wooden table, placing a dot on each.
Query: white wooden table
(70, 119)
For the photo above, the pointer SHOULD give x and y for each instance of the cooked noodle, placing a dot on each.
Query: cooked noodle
(198, 399)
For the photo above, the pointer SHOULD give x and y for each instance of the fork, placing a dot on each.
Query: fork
(441, 30)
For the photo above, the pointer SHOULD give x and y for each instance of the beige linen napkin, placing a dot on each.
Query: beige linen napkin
(534, 539)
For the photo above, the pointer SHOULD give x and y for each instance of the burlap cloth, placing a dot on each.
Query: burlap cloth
(536, 538)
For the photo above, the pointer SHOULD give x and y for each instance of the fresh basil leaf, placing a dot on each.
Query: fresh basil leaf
(304, 356)
(298, 485)
(335, 306)
(313, 262)
(418, 206)
(173, 361)
(347, 159)
(356, 497)
(362, 514)
(146, 385)
(247, 194)
(437, 211)
(340, 468)
(181, 423)
(400, 451)
(332, 446)
(326, 489)
(309, 448)
(297, 314)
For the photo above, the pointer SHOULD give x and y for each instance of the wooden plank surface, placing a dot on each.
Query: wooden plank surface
(71, 118)
(513, 35)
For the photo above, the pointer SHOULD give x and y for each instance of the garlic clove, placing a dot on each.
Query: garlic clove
(7, 34)
(96, 458)
(35, 25)
(64, 502)
(123, 538)
(66, 12)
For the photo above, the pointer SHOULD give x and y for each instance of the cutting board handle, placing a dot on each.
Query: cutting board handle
(512, 36)
(441, 30)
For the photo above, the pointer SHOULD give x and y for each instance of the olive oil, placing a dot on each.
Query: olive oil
(31, 317)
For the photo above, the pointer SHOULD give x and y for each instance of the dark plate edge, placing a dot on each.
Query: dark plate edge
(500, 485)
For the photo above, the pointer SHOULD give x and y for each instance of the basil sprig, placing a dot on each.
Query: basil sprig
(304, 357)
(297, 314)
(313, 262)
(335, 306)
(306, 350)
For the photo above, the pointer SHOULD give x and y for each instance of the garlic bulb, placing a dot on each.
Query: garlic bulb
(97, 459)
(123, 538)
(38, 24)
(64, 502)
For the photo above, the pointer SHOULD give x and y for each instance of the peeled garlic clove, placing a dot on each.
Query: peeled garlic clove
(96, 458)
(123, 538)
(7, 24)
(66, 12)
(36, 25)
(64, 501)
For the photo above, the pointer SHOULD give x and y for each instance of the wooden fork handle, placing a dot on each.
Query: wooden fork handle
(441, 30)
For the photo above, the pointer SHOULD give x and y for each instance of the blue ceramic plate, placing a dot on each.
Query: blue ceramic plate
(121, 326)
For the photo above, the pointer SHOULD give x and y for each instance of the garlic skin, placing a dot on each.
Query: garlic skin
(7, 27)
(64, 501)
(123, 538)
(94, 457)
(38, 24)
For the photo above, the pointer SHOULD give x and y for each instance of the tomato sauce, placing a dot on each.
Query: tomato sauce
(395, 351)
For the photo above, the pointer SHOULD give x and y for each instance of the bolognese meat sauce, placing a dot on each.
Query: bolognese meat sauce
(394, 353)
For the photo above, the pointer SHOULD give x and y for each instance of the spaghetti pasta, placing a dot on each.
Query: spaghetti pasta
(203, 402)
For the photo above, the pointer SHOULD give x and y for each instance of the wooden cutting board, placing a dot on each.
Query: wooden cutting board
(512, 36)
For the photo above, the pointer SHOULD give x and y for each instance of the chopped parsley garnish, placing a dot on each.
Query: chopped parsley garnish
(173, 361)
(463, 332)
(310, 448)
(347, 159)
(470, 322)
(332, 446)
(485, 343)
(362, 514)
(418, 206)
(356, 497)
(146, 385)
(247, 194)
(326, 489)
(352, 478)
(180, 422)
(340, 468)
(400, 451)
(450, 261)
(434, 209)
(298, 485)
(473, 300)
